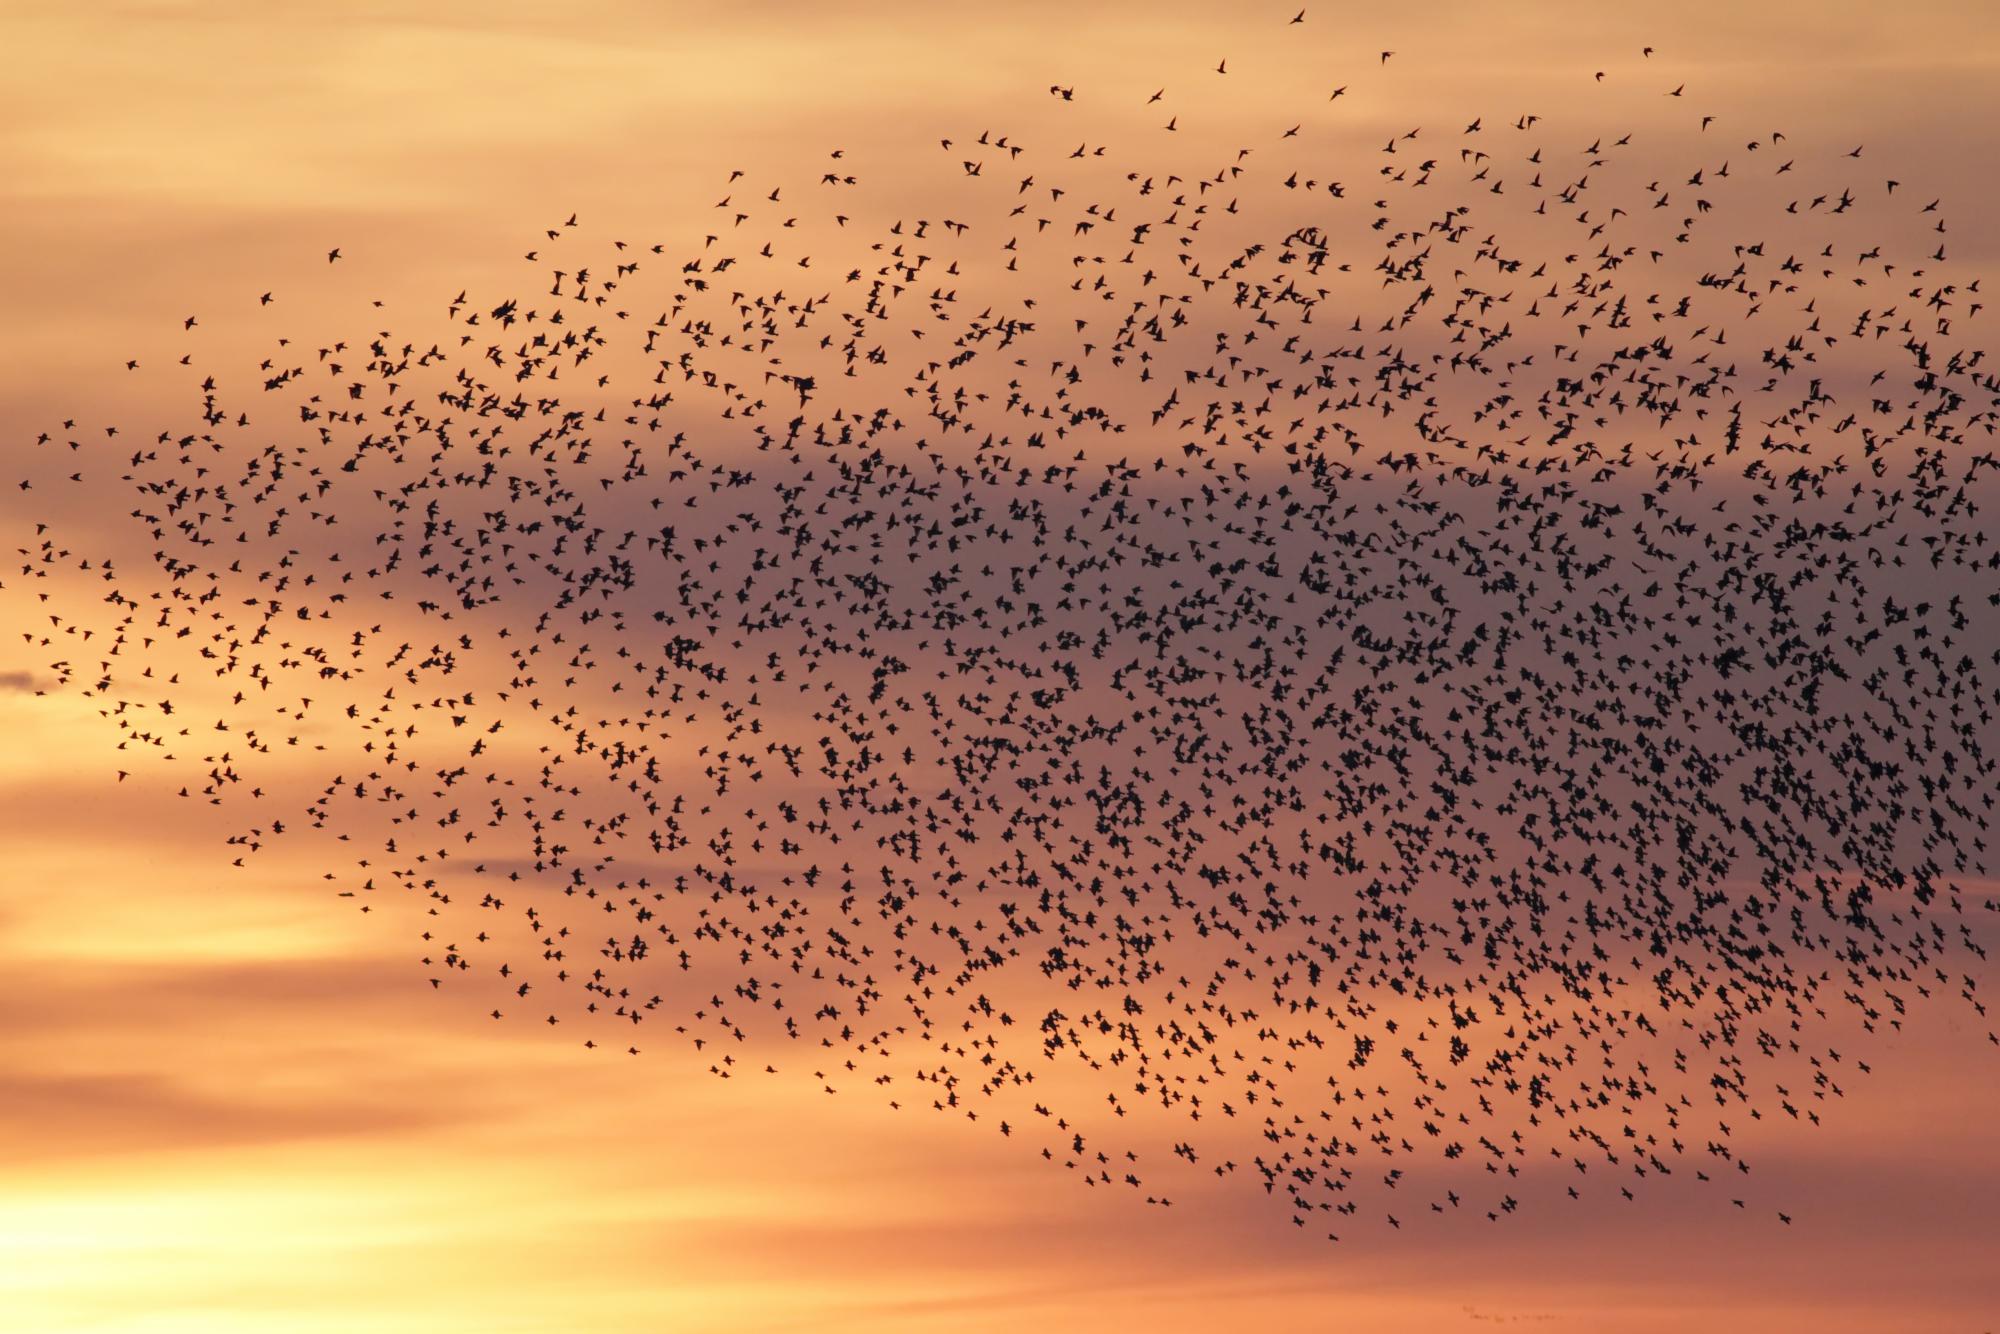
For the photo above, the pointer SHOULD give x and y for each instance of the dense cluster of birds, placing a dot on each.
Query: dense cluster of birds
(1391, 676)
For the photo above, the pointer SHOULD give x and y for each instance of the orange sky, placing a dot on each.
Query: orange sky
(232, 1103)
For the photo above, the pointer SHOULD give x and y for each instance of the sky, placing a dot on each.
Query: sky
(233, 1103)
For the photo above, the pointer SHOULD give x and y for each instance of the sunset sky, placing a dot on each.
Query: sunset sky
(232, 1103)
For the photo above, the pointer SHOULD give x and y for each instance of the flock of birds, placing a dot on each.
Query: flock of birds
(1410, 678)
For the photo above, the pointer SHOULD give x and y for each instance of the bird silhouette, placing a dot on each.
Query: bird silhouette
(1258, 665)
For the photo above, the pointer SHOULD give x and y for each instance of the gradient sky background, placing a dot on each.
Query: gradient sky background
(230, 1103)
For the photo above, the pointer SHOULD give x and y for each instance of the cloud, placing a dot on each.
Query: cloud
(114, 1113)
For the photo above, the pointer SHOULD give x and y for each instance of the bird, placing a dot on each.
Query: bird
(1481, 684)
